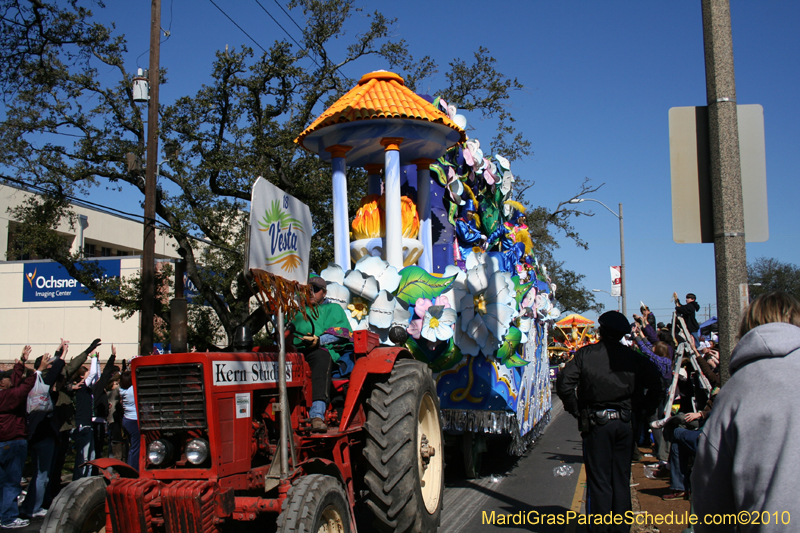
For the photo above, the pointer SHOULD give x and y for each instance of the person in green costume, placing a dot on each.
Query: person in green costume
(321, 338)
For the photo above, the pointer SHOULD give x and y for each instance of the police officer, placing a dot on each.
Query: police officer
(597, 387)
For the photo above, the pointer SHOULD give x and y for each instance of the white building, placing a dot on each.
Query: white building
(41, 304)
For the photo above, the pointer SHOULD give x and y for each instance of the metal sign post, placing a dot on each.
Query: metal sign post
(282, 398)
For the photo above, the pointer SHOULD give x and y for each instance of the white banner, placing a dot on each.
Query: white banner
(280, 233)
(246, 372)
(616, 281)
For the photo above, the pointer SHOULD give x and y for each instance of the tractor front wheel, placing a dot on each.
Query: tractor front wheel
(79, 508)
(315, 504)
(404, 451)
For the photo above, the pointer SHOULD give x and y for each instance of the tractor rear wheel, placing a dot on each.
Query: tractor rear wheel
(79, 508)
(315, 504)
(404, 451)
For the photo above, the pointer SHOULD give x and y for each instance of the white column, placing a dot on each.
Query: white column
(394, 216)
(341, 220)
(77, 242)
(424, 209)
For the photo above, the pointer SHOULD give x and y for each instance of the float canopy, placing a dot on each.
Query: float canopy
(574, 320)
(381, 106)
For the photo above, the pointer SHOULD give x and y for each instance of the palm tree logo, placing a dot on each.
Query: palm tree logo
(288, 260)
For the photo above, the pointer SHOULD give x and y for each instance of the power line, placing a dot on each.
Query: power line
(167, 33)
(80, 202)
(235, 24)
(288, 15)
(284, 29)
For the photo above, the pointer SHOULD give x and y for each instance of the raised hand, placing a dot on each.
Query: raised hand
(95, 344)
(113, 350)
(46, 358)
(26, 352)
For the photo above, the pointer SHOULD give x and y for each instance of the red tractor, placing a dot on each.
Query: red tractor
(211, 452)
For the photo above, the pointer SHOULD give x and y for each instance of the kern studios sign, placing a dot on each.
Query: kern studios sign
(50, 282)
(280, 233)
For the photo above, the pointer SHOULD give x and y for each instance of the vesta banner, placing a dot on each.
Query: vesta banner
(280, 233)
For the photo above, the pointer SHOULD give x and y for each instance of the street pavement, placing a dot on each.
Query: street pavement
(528, 485)
(510, 485)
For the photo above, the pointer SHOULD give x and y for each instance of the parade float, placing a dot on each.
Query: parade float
(568, 335)
(439, 259)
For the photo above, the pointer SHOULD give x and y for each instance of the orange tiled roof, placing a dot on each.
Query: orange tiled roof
(379, 94)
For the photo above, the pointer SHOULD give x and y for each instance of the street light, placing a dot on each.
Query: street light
(615, 297)
(621, 248)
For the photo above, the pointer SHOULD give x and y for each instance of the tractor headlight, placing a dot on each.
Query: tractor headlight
(196, 451)
(159, 452)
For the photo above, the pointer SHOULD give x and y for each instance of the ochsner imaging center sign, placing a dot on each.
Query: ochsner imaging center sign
(49, 282)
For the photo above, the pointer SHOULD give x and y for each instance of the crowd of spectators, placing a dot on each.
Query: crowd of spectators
(691, 385)
(60, 409)
(724, 447)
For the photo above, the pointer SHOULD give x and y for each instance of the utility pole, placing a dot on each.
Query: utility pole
(726, 176)
(622, 286)
(147, 313)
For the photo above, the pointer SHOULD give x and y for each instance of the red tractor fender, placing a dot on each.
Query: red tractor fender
(378, 361)
(121, 468)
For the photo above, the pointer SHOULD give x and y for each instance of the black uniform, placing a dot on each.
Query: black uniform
(597, 387)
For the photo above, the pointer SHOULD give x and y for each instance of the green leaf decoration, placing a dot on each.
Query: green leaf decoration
(514, 361)
(417, 351)
(521, 289)
(416, 283)
(507, 352)
(452, 211)
(441, 176)
(490, 215)
(437, 361)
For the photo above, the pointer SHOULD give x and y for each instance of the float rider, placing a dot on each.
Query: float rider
(321, 338)
(507, 232)
(468, 235)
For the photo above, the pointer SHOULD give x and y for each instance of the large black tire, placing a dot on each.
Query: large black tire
(315, 504)
(405, 481)
(79, 508)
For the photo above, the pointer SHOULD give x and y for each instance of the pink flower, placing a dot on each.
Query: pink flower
(421, 307)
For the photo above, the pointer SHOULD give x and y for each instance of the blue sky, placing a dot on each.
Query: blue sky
(599, 77)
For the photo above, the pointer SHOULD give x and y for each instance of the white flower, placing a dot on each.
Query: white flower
(438, 323)
(387, 276)
(333, 274)
(487, 309)
(339, 294)
(362, 285)
(459, 287)
(381, 312)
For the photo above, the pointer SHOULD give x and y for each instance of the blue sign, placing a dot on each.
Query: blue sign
(50, 282)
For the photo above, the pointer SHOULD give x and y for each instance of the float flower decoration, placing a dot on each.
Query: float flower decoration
(438, 323)
(486, 310)
(454, 186)
(424, 315)
(366, 295)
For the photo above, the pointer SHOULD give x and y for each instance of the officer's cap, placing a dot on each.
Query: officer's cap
(615, 321)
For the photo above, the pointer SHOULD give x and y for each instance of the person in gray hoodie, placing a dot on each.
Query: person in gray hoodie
(747, 453)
